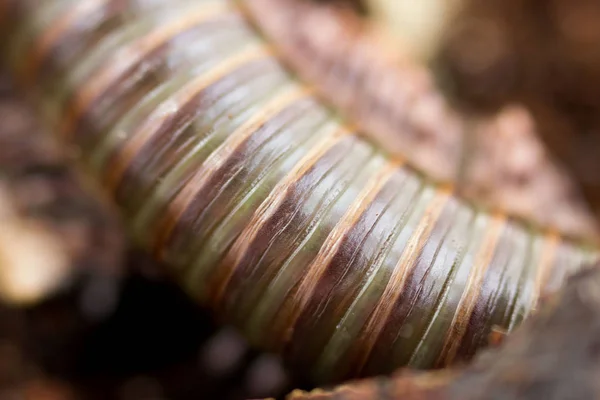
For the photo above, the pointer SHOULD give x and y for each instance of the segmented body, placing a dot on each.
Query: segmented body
(266, 206)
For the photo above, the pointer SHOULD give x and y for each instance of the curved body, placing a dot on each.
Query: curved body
(268, 207)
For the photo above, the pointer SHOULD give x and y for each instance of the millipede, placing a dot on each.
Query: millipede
(267, 205)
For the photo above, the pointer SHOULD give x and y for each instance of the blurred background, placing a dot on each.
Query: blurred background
(86, 316)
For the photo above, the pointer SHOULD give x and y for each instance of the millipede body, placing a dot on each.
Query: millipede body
(266, 205)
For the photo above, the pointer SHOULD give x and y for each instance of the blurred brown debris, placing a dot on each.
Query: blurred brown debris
(55, 228)
(544, 55)
(498, 161)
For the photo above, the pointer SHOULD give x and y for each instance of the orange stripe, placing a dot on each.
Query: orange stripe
(220, 156)
(334, 240)
(53, 34)
(469, 298)
(126, 57)
(401, 272)
(271, 204)
(171, 107)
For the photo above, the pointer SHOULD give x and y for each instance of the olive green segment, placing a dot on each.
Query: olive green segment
(247, 100)
(81, 37)
(204, 133)
(366, 245)
(84, 39)
(158, 157)
(82, 71)
(208, 131)
(28, 27)
(441, 267)
(343, 350)
(245, 191)
(284, 264)
(125, 125)
(138, 115)
(500, 284)
(446, 310)
(279, 213)
(197, 132)
(423, 288)
(207, 49)
(54, 73)
(310, 212)
(425, 278)
(103, 53)
(499, 287)
(514, 288)
(349, 326)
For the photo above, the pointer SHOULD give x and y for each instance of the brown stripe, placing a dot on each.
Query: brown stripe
(54, 34)
(401, 272)
(470, 296)
(329, 249)
(423, 289)
(364, 247)
(269, 207)
(497, 293)
(543, 268)
(456, 242)
(176, 136)
(178, 56)
(129, 56)
(171, 108)
(217, 197)
(219, 157)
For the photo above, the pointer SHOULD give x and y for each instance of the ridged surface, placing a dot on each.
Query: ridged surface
(551, 356)
(498, 160)
(268, 208)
